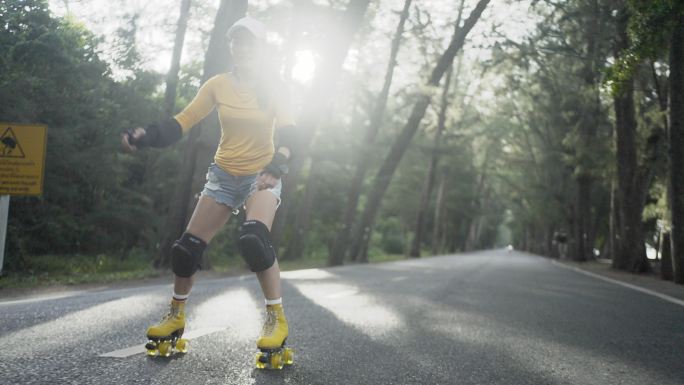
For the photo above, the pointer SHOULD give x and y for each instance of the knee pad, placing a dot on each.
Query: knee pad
(186, 255)
(255, 246)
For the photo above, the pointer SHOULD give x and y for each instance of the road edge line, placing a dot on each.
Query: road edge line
(662, 296)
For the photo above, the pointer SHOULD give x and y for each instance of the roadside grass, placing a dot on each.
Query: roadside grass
(234, 264)
(49, 270)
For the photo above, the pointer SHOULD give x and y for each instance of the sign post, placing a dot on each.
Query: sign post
(4, 216)
(22, 166)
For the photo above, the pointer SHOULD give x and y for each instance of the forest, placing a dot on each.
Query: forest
(431, 127)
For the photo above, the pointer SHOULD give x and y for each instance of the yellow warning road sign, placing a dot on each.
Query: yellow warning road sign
(22, 158)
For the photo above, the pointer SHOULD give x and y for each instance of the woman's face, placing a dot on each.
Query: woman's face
(244, 48)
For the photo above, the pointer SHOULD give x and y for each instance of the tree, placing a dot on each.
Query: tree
(584, 238)
(384, 175)
(432, 168)
(434, 158)
(50, 73)
(340, 245)
(172, 76)
(317, 100)
(437, 230)
(677, 143)
(631, 254)
(656, 27)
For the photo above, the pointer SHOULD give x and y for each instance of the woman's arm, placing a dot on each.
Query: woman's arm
(287, 142)
(171, 130)
(200, 106)
(161, 134)
(288, 138)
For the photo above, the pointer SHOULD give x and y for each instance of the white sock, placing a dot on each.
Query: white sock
(180, 297)
(276, 301)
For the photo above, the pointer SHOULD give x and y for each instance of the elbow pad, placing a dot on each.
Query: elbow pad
(162, 134)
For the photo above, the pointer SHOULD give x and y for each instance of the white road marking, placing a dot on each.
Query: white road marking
(127, 352)
(137, 349)
(42, 298)
(343, 293)
(624, 284)
(75, 327)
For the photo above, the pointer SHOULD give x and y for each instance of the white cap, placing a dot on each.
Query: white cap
(254, 26)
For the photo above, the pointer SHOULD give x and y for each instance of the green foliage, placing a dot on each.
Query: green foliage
(557, 123)
(392, 235)
(510, 168)
(657, 207)
(95, 200)
(222, 251)
(650, 29)
(76, 269)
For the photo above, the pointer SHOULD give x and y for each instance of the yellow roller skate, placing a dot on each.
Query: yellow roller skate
(272, 351)
(165, 337)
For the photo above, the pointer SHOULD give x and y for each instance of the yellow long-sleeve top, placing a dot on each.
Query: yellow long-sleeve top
(246, 144)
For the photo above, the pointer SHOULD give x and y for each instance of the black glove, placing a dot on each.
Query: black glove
(278, 166)
(162, 134)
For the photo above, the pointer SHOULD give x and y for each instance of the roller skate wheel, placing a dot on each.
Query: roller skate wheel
(151, 349)
(182, 345)
(260, 360)
(288, 356)
(277, 360)
(165, 349)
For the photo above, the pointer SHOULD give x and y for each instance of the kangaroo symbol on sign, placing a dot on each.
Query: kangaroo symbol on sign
(9, 146)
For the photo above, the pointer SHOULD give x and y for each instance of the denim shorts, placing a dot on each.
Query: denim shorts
(232, 190)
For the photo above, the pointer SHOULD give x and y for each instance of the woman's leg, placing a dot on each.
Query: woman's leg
(207, 219)
(261, 206)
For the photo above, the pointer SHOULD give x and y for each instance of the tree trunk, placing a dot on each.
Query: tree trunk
(612, 228)
(439, 208)
(172, 76)
(550, 250)
(216, 60)
(677, 147)
(467, 222)
(473, 237)
(631, 255)
(297, 244)
(666, 258)
(583, 211)
(450, 243)
(391, 162)
(434, 157)
(583, 239)
(341, 245)
(432, 169)
(316, 102)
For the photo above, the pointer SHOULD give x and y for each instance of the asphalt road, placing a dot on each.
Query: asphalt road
(482, 318)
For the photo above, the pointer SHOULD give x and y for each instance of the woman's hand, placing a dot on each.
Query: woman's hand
(130, 136)
(266, 180)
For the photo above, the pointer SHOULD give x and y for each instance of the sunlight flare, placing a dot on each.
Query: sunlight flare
(304, 67)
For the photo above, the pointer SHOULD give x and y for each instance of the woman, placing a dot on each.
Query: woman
(247, 171)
